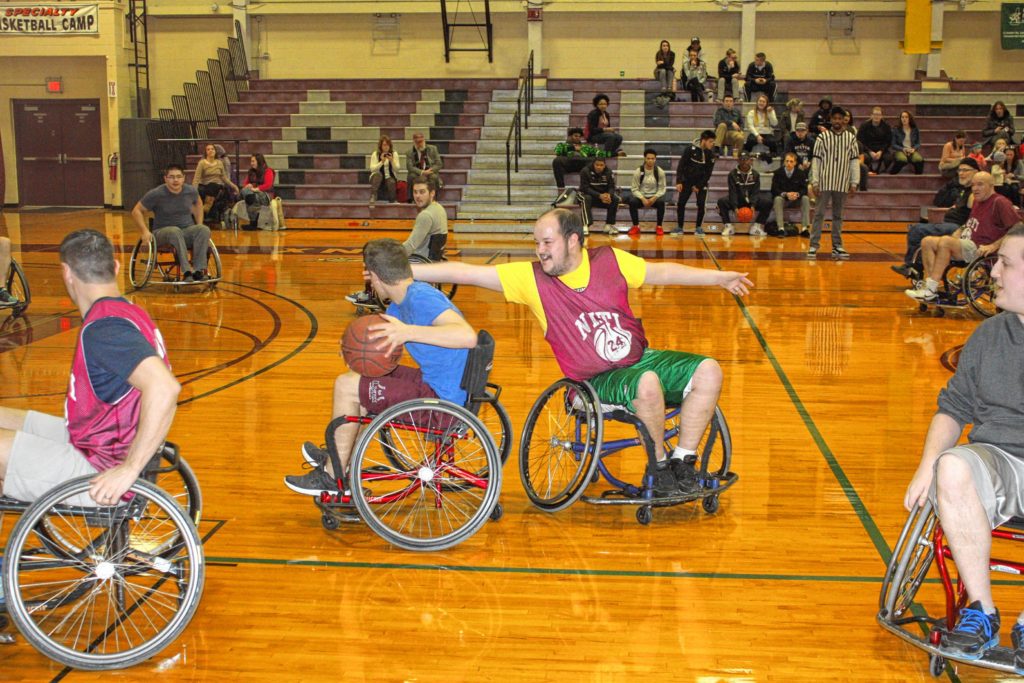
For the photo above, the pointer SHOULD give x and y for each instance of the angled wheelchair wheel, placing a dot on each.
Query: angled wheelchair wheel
(979, 287)
(495, 419)
(17, 285)
(560, 444)
(448, 289)
(173, 475)
(112, 602)
(911, 558)
(141, 262)
(430, 474)
(213, 266)
(953, 283)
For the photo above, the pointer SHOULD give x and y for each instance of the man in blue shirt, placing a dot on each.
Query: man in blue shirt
(434, 333)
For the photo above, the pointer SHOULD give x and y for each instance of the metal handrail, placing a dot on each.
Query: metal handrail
(520, 120)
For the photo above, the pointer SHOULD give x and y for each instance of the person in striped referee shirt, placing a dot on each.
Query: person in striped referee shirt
(835, 174)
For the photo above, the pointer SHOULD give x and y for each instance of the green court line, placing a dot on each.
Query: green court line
(837, 471)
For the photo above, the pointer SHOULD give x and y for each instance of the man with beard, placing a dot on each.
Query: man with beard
(431, 220)
(835, 173)
(580, 297)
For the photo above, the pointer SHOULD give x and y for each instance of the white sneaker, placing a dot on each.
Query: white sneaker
(756, 230)
(728, 230)
(610, 230)
(921, 294)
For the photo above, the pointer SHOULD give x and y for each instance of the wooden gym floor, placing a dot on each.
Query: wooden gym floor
(831, 376)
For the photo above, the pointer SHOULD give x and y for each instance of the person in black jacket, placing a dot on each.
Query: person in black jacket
(760, 78)
(999, 125)
(729, 76)
(693, 175)
(801, 143)
(789, 189)
(597, 185)
(744, 190)
(875, 136)
(599, 127)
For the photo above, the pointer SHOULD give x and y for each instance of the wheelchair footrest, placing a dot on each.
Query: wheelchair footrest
(625, 497)
(998, 658)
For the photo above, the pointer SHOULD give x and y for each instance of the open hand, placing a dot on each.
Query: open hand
(735, 283)
(390, 334)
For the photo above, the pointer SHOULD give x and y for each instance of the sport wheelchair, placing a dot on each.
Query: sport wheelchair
(964, 285)
(146, 258)
(17, 285)
(920, 543)
(435, 251)
(562, 451)
(429, 470)
(106, 587)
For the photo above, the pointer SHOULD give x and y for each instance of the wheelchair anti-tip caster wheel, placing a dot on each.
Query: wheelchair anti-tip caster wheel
(497, 512)
(936, 665)
(710, 504)
(330, 522)
(923, 308)
(643, 514)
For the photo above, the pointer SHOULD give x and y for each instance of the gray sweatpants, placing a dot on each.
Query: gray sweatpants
(194, 237)
(837, 200)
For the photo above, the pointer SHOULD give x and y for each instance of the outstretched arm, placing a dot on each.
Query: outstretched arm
(458, 273)
(668, 273)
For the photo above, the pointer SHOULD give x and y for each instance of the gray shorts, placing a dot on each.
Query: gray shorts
(998, 479)
(42, 457)
(968, 249)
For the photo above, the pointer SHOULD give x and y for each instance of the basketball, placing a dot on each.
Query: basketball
(363, 356)
(744, 214)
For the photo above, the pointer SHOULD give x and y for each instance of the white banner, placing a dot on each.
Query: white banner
(49, 20)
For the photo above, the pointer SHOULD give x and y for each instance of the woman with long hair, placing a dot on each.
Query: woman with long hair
(665, 68)
(999, 124)
(384, 168)
(906, 145)
(211, 180)
(761, 123)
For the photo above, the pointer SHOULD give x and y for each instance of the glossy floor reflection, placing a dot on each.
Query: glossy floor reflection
(831, 375)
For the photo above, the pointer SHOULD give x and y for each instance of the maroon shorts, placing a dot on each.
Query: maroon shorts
(376, 394)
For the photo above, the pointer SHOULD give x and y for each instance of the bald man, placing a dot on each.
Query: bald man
(991, 217)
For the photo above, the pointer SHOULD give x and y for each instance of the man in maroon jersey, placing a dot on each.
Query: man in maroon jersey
(120, 399)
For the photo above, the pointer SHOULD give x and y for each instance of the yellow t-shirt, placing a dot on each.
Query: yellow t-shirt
(520, 287)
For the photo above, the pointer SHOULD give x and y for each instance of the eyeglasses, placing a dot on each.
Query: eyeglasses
(174, 177)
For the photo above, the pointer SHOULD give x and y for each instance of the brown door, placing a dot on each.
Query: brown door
(58, 145)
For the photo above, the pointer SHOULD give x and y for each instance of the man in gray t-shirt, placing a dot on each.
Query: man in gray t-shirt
(979, 485)
(177, 221)
(431, 220)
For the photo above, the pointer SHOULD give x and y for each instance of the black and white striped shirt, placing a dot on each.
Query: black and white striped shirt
(836, 166)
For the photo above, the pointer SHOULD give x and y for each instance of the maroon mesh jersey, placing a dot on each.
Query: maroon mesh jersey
(593, 330)
(102, 431)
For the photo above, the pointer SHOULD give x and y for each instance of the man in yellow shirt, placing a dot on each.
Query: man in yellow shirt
(581, 299)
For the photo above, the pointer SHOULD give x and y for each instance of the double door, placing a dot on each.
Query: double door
(60, 152)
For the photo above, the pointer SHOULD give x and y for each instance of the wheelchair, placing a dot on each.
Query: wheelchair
(429, 470)
(921, 544)
(147, 258)
(964, 285)
(435, 252)
(562, 451)
(17, 285)
(107, 587)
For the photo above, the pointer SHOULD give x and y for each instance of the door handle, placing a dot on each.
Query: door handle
(56, 158)
(67, 158)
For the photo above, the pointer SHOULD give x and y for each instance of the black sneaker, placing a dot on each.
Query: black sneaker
(685, 472)
(187, 277)
(1017, 636)
(975, 634)
(664, 481)
(6, 298)
(361, 298)
(902, 269)
(840, 254)
(314, 455)
(312, 483)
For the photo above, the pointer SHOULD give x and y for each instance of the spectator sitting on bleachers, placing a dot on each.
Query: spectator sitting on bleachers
(665, 69)
(801, 143)
(730, 78)
(728, 129)
(821, 119)
(760, 77)
(875, 136)
(976, 154)
(695, 76)
(1014, 171)
(599, 130)
(695, 47)
(999, 146)
(258, 188)
(1003, 180)
(956, 196)
(423, 160)
(692, 176)
(744, 190)
(952, 152)
(648, 189)
(991, 216)
(573, 156)
(906, 145)
(597, 185)
(212, 181)
(793, 115)
(761, 123)
(999, 125)
(789, 189)
(384, 168)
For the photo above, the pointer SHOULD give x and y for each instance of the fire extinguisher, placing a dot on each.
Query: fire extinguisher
(112, 165)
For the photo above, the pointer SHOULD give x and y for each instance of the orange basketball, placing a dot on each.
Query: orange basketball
(744, 214)
(363, 356)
